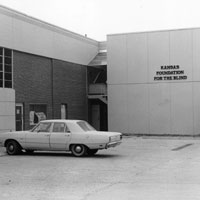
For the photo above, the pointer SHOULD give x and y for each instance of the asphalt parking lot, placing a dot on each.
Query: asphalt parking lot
(140, 168)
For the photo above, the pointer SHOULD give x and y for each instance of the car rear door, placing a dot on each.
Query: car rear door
(60, 136)
(39, 138)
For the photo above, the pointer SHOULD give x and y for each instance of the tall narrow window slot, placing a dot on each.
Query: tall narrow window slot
(6, 78)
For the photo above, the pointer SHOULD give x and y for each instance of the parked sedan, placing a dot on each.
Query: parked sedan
(76, 136)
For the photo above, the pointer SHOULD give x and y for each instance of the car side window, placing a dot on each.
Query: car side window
(59, 127)
(43, 127)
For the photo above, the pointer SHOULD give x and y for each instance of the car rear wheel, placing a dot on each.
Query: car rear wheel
(78, 150)
(13, 148)
(91, 152)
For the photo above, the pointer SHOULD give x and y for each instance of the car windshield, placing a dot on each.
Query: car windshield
(85, 126)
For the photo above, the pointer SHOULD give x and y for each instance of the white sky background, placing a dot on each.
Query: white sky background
(97, 18)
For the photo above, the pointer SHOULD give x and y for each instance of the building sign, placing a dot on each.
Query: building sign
(170, 73)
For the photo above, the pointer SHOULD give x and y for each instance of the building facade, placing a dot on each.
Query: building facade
(43, 71)
(137, 83)
(154, 82)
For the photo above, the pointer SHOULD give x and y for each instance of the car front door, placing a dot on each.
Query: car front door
(60, 136)
(39, 138)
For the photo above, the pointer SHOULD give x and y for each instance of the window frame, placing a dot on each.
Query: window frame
(38, 125)
(66, 128)
(6, 83)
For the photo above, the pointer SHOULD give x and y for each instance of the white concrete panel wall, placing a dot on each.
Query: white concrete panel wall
(181, 44)
(138, 110)
(30, 35)
(181, 53)
(137, 62)
(159, 109)
(117, 70)
(155, 107)
(196, 106)
(158, 53)
(118, 100)
(6, 30)
(196, 54)
(7, 110)
(182, 108)
(31, 38)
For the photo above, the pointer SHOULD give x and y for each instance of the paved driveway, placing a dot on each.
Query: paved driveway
(140, 168)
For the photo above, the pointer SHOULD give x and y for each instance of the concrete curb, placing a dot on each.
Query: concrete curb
(163, 136)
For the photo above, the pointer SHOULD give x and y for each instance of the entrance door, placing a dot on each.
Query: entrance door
(19, 117)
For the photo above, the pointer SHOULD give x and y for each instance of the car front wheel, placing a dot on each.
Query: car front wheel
(78, 150)
(13, 148)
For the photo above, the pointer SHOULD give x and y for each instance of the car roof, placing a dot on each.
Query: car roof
(62, 120)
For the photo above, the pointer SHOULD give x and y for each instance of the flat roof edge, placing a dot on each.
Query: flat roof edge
(154, 31)
(24, 17)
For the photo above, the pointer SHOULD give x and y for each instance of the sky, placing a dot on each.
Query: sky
(99, 18)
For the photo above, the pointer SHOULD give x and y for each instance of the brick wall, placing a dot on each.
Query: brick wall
(69, 87)
(40, 80)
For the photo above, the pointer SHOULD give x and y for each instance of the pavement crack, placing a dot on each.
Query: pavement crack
(182, 147)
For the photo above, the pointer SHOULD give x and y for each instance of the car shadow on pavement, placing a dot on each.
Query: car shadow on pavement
(66, 154)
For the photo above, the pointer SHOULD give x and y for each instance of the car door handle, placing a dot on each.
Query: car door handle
(47, 135)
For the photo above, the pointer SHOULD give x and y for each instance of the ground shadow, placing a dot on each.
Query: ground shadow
(99, 155)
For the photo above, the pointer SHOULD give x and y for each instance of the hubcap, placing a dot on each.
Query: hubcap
(11, 148)
(78, 149)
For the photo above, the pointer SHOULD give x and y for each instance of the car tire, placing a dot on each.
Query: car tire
(92, 152)
(13, 148)
(78, 150)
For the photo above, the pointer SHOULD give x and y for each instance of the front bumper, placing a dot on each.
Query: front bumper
(113, 144)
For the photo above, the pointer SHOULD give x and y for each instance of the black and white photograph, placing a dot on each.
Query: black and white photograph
(99, 100)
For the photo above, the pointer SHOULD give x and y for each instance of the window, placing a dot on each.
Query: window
(64, 114)
(60, 127)
(85, 126)
(38, 112)
(6, 77)
(42, 127)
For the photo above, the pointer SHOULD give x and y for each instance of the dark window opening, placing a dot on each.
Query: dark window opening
(6, 68)
(8, 76)
(8, 84)
(8, 60)
(8, 52)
